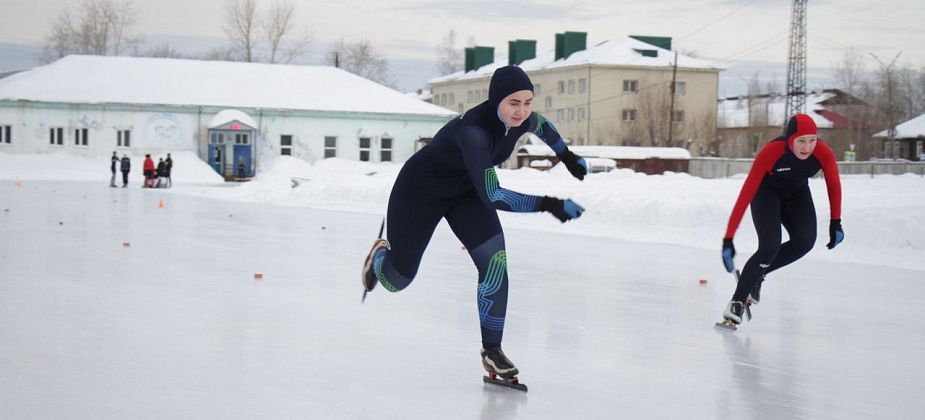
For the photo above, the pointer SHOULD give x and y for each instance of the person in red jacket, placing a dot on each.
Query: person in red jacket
(148, 170)
(778, 191)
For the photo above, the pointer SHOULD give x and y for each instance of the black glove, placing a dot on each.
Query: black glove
(836, 234)
(575, 164)
(564, 210)
(729, 251)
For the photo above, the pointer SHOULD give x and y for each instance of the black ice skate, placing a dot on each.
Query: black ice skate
(734, 314)
(498, 365)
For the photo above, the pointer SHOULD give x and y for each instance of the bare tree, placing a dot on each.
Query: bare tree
(361, 58)
(449, 58)
(849, 73)
(219, 54)
(240, 26)
(278, 24)
(653, 105)
(162, 51)
(100, 27)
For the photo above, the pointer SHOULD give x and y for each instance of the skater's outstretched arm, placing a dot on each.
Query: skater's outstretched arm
(475, 145)
(544, 129)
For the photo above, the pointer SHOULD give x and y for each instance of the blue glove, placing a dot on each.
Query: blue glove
(564, 210)
(836, 234)
(575, 164)
(729, 251)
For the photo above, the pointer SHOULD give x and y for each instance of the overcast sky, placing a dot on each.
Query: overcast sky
(733, 33)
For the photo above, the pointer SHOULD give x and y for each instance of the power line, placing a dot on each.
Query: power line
(761, 46)
(715, 21)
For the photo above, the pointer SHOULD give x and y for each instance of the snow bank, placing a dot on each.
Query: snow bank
(187, 168)
(884, 217)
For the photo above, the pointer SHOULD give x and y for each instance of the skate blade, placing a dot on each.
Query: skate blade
(726, 325)
(512, 384)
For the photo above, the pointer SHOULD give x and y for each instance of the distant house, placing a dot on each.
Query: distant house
(225, 112)
(534, 153)
(910, 137)
(746, 123)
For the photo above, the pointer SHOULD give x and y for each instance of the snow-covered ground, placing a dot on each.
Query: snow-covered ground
(115, 307)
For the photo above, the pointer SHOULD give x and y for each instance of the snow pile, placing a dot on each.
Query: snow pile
(187, 168)
(884, 217)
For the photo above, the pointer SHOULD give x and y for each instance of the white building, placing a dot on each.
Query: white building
(225, 112)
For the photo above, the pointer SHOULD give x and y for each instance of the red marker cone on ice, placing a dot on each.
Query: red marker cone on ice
(258, 276)
(160, 204)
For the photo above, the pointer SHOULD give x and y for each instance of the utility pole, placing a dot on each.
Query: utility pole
(674, 78)
(796, 62)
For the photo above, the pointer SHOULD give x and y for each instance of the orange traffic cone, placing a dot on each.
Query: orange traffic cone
(160, 204)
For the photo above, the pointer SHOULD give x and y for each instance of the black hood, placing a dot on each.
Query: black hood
(505, 81)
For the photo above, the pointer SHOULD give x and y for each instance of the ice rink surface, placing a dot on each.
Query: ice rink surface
(112, 307)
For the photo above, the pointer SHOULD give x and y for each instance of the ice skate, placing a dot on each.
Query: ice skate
(369, 271)
(734, 314)
(500, 369)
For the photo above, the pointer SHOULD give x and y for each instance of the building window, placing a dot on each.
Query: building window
(56, 136)
(123, 138)
(330, 147)
(581, 114)
(560, 115)
(678, 117)
(571, 114)
(470, 97)
(5, 134)
(537, 90)
(385, 149)
(364, 149)
(582, 85)
(549, 102)
(680, 88)
(80, 137)
(561, 86)
(571, 86)
(629, 115)
(285, 145)
(240, 138)
(485, 94)
(460, 108)
(443, 99)
(452, 98)
(478, 96)
(630, 86)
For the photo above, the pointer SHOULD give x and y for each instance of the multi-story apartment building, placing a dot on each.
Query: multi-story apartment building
(613, 93)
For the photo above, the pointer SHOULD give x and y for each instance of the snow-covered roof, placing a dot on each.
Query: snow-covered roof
(734, 113)
(534, 146)
(231, 115)
(170, 81)
(909, 129)
(608, 53)
(421, 94)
